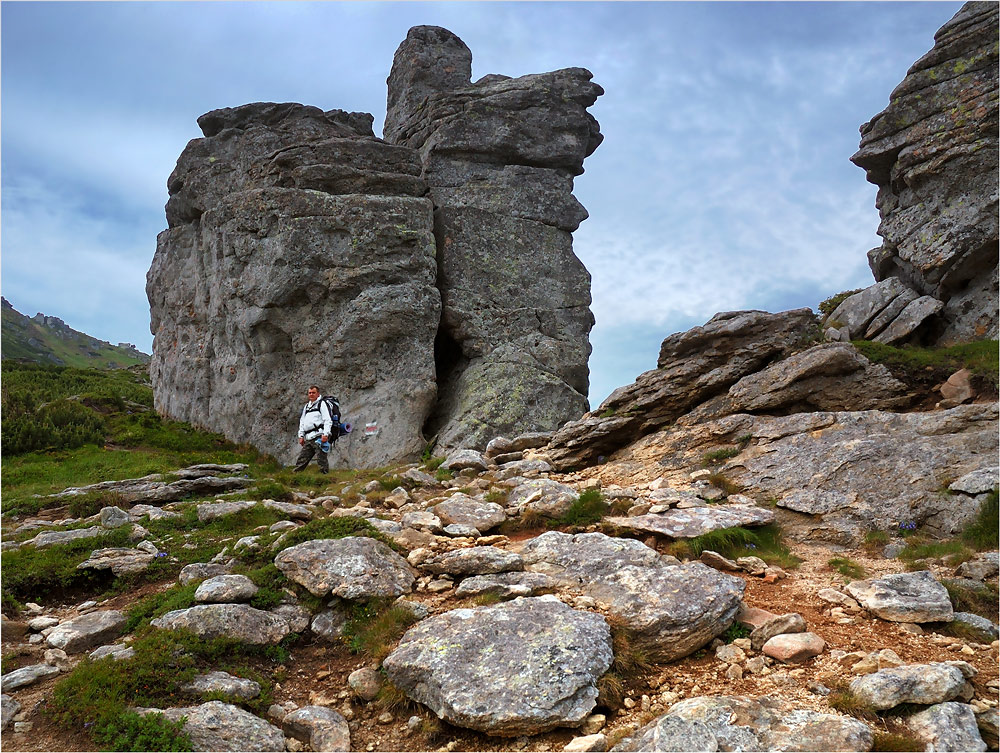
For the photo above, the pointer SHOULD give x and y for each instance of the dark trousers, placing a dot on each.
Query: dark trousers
(306, 454)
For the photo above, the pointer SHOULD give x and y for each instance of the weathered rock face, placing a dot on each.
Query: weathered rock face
(933, 154)
(499, 158)
(301, 249)
(693, 366)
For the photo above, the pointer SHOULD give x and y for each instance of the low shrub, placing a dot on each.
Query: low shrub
(587, 509)
(735, 631)
(128, 731)
(764, 542)
(952, 551)
(843, 700)
(158, 604)
(875, 541)
(270, 489)
(390, 483)
(982, 600)
(374, 628)
(497, 496)
(830, 305)
(884, 740)
(717, 456)
(433, 464)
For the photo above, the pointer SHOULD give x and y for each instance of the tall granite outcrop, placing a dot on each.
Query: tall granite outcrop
(499, 157)
(933, 155)
(302, 249)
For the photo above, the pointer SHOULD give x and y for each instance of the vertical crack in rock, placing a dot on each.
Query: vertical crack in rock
(499, 157)
(427, 280)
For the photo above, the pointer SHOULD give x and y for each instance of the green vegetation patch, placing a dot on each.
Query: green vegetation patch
(847, 567)
(983, 533)
(830, 305)
(982, 357)
(982, 600)
(764, 542)
(334, 528)
(128, 731)
(951, 551)
(586, 510)
(158, 604)
(373, 628)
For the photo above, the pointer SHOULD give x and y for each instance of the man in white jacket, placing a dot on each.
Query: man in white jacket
(314, 423)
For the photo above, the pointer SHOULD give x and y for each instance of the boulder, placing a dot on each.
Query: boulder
(462, 509)
(239, 621)
(117, 651)
(869, 311)
(365, 683)
(905, 597)
(221, 682)
(324, 729)
(536, 660)
(153, 489)
(120, 561)
(911, 683)
(221, 589)
(86, 631)
(983, 566)
(933, 155)
(51, 538)
(948, 727)
(978, 482)
(114, 517)
(355, 567)
(221, 726)
(289, 510)
(692, 522)
(477, 560)
(672, 610)
(329, 624)
(465, 459)
(210, 511)
(989, 727)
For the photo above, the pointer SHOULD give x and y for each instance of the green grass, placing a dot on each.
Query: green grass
(717, 456)
(875, 541)
(158, 604)
(31, 574)
(373, 628)
(719, 481)
(952, 551)
(734, 632)
(983, 534)
(981, 357)
(847, 567)
(586, 510)
(764, 542)
(843, 700)
(981, 600)
(334, 528)
(900, 740)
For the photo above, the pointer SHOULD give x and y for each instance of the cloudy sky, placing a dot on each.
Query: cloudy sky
(723, 181)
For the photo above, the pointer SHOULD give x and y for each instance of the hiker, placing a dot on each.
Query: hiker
(315, 426)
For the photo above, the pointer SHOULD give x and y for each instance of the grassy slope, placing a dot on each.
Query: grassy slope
(60, 346)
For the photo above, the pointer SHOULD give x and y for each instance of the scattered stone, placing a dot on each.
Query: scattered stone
(948, 727)
(42, 623)
(716, 560)
(832, 596)
(222, 589)
(114, 517)
(730, 654)
(9, 708)
(221, 726)
(463, 459)
(752, 565)
(542, 496)
(200, 571)
(587, 743)
(116, 651)
(794, 647)
(365, 683)
(323, 728)
(913, 683)
(239, 621)
(905, 597)
(293, 511)
(982, 481)
(138, 512)
(221, 682)
(355, 567)
(89, 630)
(210, 511)
(478, 560)
(464, 510)
(24, 676)
(983, 566)
(422, 520)
(593, 724)
(989, 727)
(50, 538)
(329, 624)
(535, 659)
(793, 622)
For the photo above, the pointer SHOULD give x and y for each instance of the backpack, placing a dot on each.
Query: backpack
(338, 429)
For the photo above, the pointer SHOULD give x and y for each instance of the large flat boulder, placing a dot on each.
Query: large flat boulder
(86, 631)
(912, 683)
(221, 726)
(355, 567)
(948, 727)
(695, 521)
(520, 668)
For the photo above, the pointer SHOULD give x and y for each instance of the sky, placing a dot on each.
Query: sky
(723, 182)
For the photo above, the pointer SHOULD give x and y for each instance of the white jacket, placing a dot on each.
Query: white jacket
(315, 420)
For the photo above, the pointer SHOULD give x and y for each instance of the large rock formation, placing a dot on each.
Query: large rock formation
(933, 154)
(499, 158)
(301, 249)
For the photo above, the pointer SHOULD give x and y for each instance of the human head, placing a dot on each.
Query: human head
(313, 392)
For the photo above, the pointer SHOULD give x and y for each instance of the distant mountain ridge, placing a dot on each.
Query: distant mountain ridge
(48, 339)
